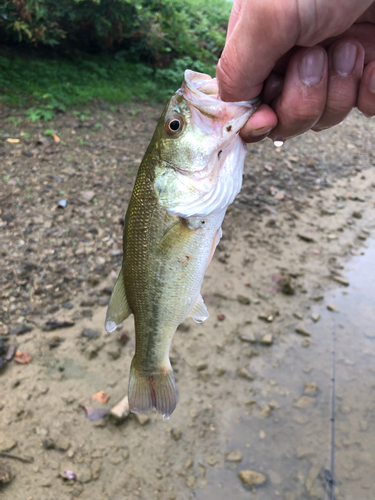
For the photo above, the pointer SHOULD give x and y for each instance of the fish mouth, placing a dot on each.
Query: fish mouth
(202, 93)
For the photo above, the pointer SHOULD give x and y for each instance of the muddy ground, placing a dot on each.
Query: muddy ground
(305, 211)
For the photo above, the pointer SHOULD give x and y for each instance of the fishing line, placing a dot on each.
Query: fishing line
(333, 415)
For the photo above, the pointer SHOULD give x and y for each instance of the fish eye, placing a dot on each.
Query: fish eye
(174, 125)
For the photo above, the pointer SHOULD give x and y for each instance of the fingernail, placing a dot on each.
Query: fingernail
(256, 132)
(311, 67)
(343, 58)
(371, 83)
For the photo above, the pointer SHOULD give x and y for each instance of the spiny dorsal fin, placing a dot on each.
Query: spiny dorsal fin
(199, 312)
(118, 308)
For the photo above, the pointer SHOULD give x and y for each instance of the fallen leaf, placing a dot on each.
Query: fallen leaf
(56, 138)
(95, 413)
(101, 397)
(22, 358)
(13, 141)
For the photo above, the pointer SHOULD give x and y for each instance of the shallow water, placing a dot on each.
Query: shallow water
(292, 446)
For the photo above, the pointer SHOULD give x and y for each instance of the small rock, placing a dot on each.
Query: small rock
(20, 329)
(92, 351)
(306, 238)
(267, 339)
(250, 353)
(141, 418)
(202, 365)
(248, 336)
(243, 300)
(244, 373)
(189, 463)
(67, 305)
(332, 308)
(86, 313)
(6, 442)
(176, 433)
(190, 482)
(212, 461)
(310, 388)
(288, 284)
(90, 333)
(304, 402)
(357, 215)
(267, 316)
(251, 478)
(315, 317)
(234, 456)
(306, 342)
(103, 301)
(86, 196)
(121, 410)
(341, 280)
(5, 473)
(317, 298)
(48, 444)
(298, 315)
(302, 331)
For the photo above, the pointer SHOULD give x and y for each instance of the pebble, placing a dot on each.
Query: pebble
(317, 298)
(250, 353)
(288, 285)
(315, 317)
(120, 411)
(312, 475)
(5, 473)
(298, 315)
(302, 331)
(248, 336)
(86, 313)
(341, 280)
(103, 301)
(332, 308)
(190, 482)
(267, 339)
(6, 442)
(265, 316)
(305, 402)
(176, 433)
(141, 418)
(310, 388)
(242, 299)
(20, 329)
(357, 215)
(244, 373)
(201, 365)
(306, 238)
(252, 478)
(212, 461)
(189, 463)
(90, 333)
(234, 456)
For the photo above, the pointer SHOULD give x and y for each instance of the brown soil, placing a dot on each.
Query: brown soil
(305, 209)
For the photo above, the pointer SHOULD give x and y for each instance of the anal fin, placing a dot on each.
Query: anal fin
(199, 311)
(118, 308)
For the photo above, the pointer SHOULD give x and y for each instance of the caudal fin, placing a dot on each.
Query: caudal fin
(149, 390)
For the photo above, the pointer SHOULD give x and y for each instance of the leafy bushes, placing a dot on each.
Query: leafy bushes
(156, 31)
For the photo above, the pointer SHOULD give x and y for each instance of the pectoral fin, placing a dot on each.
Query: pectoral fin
(199, 312)
(118, 308)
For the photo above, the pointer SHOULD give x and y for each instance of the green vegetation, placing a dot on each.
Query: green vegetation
(128, 50)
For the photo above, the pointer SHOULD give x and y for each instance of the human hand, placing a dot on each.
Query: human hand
(315, 61)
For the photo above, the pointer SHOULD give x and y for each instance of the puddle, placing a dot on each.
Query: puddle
(292, 445)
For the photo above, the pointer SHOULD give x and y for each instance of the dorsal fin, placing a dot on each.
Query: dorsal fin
(118, 308)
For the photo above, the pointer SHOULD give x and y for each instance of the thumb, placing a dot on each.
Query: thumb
(261, 31)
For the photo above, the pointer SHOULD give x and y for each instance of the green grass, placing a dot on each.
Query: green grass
(46, 85)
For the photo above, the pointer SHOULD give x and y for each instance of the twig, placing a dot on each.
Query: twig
(26, 460)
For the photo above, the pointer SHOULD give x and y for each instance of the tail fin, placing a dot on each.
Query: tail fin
(149, 390)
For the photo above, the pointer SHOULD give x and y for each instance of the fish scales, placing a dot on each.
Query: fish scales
(185, 182)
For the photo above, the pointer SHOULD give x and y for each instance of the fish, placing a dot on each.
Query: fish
(190, 173)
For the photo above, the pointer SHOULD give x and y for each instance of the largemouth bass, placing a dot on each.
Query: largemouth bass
(191, 172)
